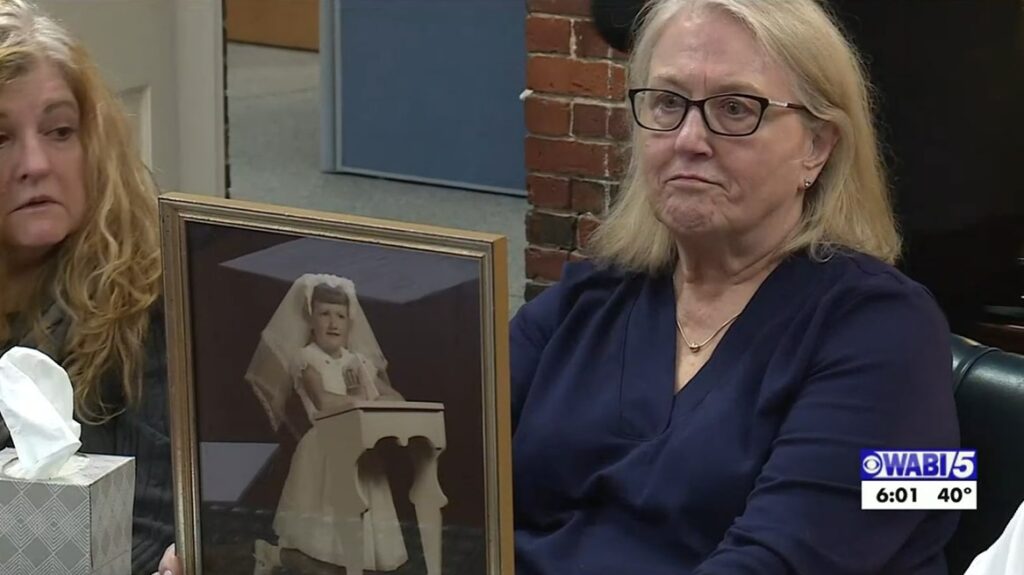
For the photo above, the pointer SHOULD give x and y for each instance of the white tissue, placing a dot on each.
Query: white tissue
(37, 403)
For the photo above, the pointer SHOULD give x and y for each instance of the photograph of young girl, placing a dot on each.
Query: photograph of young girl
(319, 345)
(340, 406)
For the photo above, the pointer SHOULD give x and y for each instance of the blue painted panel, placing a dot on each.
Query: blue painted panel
(430, 90)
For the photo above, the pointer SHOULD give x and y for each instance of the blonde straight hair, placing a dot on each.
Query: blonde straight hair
(848, 206)
(105, 276)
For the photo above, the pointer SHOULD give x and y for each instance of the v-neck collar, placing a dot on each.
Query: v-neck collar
(648, 400)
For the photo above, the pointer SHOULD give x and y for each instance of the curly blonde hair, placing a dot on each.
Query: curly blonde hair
(106, 275)
(848, 206)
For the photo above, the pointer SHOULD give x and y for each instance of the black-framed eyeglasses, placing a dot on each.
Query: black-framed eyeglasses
(723, 114)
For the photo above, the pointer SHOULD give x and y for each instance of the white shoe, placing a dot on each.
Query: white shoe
(267, 557)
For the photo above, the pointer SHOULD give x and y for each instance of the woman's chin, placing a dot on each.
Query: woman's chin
(36, 241)
(686, 222)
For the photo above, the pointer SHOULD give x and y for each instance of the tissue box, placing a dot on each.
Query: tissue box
(76, 524)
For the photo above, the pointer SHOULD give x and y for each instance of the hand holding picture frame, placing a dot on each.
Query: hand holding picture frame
(339, 392)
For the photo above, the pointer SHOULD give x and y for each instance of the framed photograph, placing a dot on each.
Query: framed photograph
(339, 392)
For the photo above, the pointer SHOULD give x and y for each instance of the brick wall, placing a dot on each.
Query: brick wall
(576, 119)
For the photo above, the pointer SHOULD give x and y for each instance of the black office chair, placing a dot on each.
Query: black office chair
(989, 389)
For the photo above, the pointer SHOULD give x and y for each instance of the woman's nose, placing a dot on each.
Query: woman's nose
(33, 160)
(692, 134)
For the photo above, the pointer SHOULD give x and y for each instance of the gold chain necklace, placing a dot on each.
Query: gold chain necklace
(695, 347)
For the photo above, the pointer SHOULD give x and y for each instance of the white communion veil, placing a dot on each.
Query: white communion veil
(270, 371)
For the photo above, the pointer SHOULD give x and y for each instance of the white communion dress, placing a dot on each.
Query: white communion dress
(304, 518)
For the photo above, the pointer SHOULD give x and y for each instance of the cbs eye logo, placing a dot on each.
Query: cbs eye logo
(872, 464)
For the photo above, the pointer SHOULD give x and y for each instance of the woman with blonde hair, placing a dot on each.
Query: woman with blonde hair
(740, 334)
(79, 255)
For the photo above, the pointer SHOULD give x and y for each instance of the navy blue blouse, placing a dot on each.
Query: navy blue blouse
(754, 466)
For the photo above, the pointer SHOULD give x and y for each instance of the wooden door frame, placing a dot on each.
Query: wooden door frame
(203, 151)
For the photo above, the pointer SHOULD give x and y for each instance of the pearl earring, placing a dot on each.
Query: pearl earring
(807, 183)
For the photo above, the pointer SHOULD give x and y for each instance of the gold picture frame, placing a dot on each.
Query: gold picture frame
(433, 305)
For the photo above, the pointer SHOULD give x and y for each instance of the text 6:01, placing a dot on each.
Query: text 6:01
(897, 495)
